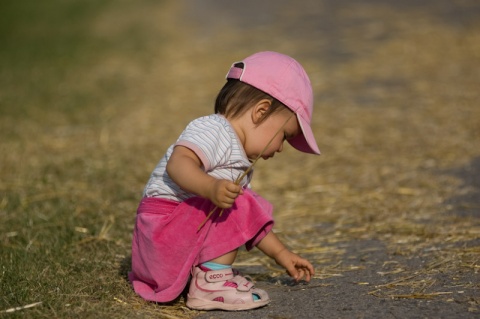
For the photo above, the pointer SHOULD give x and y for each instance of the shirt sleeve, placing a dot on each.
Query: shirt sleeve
(209, 140)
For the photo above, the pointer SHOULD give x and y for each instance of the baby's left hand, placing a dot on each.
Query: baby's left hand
(296, 266)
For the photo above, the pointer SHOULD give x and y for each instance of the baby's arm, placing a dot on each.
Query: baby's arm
(296, 266)
(185, 168)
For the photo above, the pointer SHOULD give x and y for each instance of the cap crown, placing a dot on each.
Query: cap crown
(283, 78)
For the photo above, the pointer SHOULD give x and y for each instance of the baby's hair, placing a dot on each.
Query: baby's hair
(236, 97)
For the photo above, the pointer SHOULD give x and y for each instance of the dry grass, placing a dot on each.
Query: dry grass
(397, 122)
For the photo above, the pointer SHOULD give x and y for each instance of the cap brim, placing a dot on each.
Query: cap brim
(305, 142)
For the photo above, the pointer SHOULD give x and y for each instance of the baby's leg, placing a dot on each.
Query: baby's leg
(226, 259)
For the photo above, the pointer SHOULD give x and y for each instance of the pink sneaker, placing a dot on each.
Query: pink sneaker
(222, 289)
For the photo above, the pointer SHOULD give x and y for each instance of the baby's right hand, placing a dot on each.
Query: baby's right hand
(223, 193)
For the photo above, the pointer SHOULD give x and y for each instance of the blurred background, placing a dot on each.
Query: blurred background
(93, 92)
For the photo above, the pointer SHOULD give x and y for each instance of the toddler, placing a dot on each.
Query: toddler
(266, 100)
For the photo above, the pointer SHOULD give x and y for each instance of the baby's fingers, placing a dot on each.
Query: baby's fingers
(234, 189)
(299, 274)
(307, 266)
(293, 272)
(303, 269)
(307, 274)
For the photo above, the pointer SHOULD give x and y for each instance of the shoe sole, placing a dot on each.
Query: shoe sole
(202, 304)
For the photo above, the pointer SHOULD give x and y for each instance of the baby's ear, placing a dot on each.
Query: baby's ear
(259, 110)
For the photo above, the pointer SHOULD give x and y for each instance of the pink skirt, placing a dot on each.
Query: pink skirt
(167, 243)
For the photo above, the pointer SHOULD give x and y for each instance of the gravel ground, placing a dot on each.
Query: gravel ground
(349, 295)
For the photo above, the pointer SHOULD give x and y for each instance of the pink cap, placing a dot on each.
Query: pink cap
(284, 79)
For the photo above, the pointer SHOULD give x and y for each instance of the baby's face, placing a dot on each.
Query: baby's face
(283, 123)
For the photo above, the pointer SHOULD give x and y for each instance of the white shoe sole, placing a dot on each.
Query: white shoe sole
(202, 304)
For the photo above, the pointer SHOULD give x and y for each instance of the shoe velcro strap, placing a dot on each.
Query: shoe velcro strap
(242, 283)
(219, 275)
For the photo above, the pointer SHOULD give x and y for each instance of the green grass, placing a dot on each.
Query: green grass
(42, 43)
(66, 213)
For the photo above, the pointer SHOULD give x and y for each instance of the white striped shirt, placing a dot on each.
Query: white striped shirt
(216, 144)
